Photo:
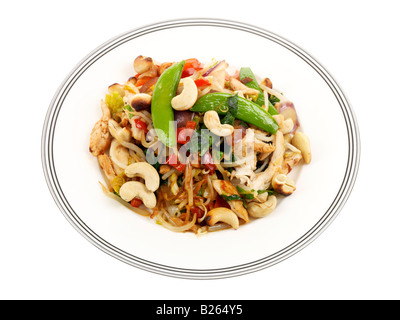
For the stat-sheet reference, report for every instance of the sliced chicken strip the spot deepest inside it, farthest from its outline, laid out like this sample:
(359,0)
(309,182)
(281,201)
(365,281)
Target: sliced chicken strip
(100,137)
(263,179)
(107,166)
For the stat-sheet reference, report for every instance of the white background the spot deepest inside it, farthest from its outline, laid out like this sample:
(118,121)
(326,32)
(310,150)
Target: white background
(44,257)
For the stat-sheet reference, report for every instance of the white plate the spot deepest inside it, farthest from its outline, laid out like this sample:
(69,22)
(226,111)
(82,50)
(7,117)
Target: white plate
(323,186)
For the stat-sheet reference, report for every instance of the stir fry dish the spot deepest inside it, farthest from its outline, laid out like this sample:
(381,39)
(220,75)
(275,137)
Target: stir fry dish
(196,146)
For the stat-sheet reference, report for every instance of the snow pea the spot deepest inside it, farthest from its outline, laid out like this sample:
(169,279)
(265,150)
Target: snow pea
(162,112)
(247,111)
(246,73)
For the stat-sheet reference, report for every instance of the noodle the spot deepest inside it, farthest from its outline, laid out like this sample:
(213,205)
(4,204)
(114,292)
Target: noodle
(189,183)
(175,228)
(186,193)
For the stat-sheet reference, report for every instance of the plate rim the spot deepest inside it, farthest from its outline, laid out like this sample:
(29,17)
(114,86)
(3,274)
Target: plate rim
(326,219)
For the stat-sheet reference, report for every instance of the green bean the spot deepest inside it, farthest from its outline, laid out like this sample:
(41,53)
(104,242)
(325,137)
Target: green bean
(247,111)
(246,73)
(161,110)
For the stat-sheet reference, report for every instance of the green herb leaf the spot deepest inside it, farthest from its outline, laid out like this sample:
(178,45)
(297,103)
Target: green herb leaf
(270,192)
(232,197)
(179,181)
(249,195)
(233,104)
(244,124)
(273,99)
(128,108)
(228,119)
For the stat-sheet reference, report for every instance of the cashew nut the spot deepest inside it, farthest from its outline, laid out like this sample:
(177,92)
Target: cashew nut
(287,126)
(134,189)
(261,197)
(260,210)
(211,121)
(188,96)
(121,134)
(283,184)
(142,64)
(222,214)
(145,171)
(140,101)
(302,142)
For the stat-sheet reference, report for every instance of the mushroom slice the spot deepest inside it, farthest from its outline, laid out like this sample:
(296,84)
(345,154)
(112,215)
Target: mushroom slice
(118,88)
(225,188)
(145,171)
(141,101)
(222,214)
(134,189)
(142,64)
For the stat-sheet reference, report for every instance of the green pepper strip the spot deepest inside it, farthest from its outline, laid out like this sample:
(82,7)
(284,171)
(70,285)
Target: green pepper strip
(247,73)
(248,111)
(161,109)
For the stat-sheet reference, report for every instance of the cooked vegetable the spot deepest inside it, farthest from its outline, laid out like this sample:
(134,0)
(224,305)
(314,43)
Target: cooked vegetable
(114,102)
(193,147)
(161,109)
(247,111)
(248,78)
(288,111)
(182,117)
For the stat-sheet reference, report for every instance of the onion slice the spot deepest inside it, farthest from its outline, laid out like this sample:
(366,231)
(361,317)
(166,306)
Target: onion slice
(222,65)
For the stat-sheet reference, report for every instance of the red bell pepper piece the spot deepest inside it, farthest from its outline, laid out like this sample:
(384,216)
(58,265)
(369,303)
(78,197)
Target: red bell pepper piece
(192,63)
(173,162)
(208,162)
(184,135)
(136,202)
(142,81)
(198,211)
(188,72)
(202,82)
(140,124)
(191,125)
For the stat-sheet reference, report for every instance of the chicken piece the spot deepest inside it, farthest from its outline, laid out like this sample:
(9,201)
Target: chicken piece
(262,147)
(290,160)
(263,179)
(100,137)
(236,85)
(226,188)
(107,166)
